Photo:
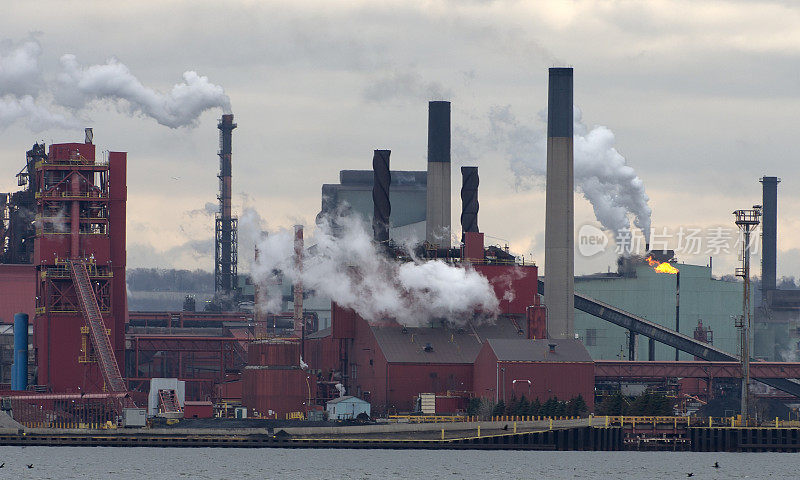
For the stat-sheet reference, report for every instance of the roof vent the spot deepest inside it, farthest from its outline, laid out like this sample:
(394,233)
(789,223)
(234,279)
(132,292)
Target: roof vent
(428,347)
(552,347)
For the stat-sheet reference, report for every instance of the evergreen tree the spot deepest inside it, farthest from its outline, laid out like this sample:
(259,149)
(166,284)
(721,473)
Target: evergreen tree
(499,408)
(535,407)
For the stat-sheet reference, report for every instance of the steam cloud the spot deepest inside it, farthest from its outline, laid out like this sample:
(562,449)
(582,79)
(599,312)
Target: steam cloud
(26,96)
(602,174)
(348,269)
(113,81)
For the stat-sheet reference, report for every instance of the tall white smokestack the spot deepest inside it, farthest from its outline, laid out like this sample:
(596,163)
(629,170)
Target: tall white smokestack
(437,225)
(559,266)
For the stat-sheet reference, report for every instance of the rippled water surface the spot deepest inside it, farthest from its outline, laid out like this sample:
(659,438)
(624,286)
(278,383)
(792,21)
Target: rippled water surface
(229,463)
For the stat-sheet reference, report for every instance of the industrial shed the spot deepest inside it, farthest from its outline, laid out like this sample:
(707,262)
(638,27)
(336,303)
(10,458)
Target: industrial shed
(346,408)
(507,368)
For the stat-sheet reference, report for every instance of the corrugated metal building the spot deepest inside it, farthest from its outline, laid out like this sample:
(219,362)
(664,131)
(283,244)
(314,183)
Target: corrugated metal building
(347,407)
(511,368)
(17,291)
(651,295)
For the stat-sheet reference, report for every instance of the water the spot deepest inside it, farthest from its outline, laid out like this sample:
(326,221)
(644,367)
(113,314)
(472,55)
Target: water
(229,463)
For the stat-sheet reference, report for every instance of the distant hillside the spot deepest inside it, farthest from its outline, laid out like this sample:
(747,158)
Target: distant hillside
(153,289)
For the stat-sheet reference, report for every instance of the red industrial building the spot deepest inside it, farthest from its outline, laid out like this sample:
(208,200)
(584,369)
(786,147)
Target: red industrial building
(389,364)
(274,383)
(18,287)
(79,255)
(543,369)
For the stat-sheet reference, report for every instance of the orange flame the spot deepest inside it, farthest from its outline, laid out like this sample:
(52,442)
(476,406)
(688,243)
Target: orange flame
(661,267)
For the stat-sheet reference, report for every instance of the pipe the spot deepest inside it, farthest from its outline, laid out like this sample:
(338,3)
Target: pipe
(19,371)
(469,200)
(559,207)
(677,308)
(437,219)
(298,283)
(382,207)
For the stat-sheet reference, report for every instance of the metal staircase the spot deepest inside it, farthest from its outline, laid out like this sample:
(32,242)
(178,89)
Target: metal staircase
(168,404)
(97,328)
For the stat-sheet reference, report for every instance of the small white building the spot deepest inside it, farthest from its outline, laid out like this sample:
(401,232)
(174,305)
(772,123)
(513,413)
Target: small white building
(347,407)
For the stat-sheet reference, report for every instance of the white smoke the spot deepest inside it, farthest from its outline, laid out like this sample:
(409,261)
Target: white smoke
(602,174)
(37,117)
(20,83)
(79,85)
(20,74)
(27,96)
(349,269)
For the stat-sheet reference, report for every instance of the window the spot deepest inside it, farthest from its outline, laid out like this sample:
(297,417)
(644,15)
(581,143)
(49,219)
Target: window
(591,337)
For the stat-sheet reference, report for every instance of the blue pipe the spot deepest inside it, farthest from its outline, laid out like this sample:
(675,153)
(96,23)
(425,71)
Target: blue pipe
(19,372)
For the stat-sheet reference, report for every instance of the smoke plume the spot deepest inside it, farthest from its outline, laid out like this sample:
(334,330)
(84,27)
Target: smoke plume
(348,269)
(602,174)
(26,94)
(79,85)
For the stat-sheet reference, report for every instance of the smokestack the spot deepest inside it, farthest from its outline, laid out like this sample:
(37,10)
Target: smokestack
(469,200)
(225,225)
(769,236)
(298,284)
(437,225)
(89,136)
(559,207)
(382,207)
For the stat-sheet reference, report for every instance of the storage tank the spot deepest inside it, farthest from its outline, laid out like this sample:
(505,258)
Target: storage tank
(274,384)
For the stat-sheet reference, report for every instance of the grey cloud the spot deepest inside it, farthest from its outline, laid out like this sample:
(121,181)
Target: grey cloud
(405,85)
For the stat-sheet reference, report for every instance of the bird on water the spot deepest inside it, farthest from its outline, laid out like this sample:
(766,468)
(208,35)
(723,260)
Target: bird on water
(716,464)
(30,465)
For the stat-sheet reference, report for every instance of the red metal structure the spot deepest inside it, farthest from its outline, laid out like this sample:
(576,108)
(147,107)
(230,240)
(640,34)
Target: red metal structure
(79,256)
(614,369)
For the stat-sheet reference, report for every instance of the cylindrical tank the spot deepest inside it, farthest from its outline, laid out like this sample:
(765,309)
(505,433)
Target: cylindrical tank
(273,382)
(19,372)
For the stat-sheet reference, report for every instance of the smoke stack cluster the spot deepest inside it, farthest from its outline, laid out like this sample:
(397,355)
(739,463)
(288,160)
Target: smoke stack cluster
(437,225)
(559,207)
(382,207)
(469,200)
(769,229)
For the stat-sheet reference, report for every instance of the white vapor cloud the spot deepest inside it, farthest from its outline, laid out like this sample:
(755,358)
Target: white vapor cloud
(79,85)
(602,174)
(348,268)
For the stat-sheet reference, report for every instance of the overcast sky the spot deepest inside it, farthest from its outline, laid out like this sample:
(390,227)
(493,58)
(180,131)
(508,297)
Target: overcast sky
(702,99)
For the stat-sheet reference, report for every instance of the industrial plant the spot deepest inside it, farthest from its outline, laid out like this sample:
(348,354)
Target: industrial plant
(273,345)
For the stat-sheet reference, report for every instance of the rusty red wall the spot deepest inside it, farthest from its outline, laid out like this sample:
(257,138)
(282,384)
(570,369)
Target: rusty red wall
(17,291)
(408,380)
(343,321)
(281,390)
(537,322)
(198,409)
(322,354)
(274,352)
(118,196)
(522,281)
(564,380)
(473,246)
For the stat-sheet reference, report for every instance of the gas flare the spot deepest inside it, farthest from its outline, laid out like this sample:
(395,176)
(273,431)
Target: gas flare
(661,267)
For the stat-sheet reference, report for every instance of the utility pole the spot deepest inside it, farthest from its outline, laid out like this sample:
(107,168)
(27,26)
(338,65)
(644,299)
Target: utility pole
(747,221)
